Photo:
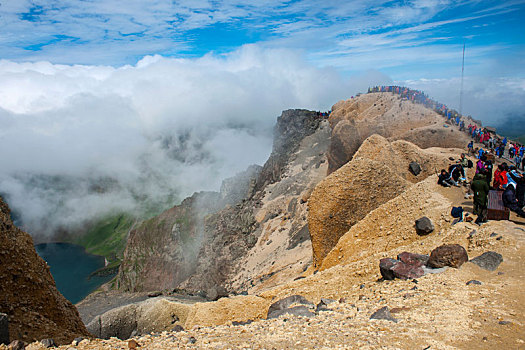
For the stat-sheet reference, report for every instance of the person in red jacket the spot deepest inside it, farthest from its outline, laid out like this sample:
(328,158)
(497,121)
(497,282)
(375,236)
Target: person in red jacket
(500,178)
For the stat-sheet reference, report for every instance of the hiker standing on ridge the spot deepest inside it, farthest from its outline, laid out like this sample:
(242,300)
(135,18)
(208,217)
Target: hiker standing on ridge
(480,188)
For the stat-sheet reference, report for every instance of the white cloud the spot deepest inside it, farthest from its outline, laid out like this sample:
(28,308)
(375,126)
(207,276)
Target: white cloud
(144,133)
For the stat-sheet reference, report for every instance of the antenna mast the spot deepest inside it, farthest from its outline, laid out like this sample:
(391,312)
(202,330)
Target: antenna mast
(461,91)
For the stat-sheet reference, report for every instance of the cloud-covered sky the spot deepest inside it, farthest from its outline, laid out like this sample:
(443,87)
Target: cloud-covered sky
(152,100)
(405,39)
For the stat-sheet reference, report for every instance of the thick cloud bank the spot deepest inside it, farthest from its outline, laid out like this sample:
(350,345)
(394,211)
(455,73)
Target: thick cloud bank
(79,142)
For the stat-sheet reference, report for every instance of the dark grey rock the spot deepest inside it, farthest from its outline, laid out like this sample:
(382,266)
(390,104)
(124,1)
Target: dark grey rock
(300,310)
(4,329)
(473,282)
(385,268)
(287,302)
(177,328)
(488,260)
(383,314)
(16,345)
(424,226)
(493,234)
(241,323)
(322,306)
(192,340)
(327,301)
(216,292)
(48,343)
(452,255)
(154,294)
(503,323)
(414,168)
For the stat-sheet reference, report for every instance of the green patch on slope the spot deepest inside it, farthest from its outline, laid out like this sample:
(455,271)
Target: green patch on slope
(108,236)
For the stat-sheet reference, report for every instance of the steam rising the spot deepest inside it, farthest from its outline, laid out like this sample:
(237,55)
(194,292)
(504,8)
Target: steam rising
(80,142)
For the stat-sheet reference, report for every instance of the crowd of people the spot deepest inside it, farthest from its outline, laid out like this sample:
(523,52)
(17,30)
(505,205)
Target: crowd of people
(492,172)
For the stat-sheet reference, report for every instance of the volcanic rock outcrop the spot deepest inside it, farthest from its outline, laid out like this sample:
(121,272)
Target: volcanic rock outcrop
(378,172)
(388,115)
(28,295)
(199,244)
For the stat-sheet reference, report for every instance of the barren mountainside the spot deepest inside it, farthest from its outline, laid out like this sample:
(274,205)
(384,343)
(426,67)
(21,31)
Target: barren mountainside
(28,295)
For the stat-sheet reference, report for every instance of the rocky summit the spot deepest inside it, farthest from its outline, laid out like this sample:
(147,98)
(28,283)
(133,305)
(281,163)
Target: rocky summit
(342,239)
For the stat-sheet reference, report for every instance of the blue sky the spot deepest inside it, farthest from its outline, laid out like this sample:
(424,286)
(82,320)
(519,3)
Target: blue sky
(404,39)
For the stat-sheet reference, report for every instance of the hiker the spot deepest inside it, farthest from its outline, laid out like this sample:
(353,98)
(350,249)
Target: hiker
(500,178)
(510,201)
(480,188)
(488,169)
(470,147)
(464,162)
(481,164)
(445,179)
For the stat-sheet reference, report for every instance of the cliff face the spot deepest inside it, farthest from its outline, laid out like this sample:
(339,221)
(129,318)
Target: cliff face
(385,114)
(28,295)
(199,244)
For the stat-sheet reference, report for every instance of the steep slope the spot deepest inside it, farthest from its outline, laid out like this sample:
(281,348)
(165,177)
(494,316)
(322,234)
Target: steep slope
(378,172)
(199,245)
(36,310)
(438,310)
(388,115)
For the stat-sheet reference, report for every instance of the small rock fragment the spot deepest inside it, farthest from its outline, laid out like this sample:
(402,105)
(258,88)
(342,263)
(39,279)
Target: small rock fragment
(154,294)
(473,282)
(383,314)
(287,302)
(132,344)
(48,343)
(503,323)
(177,328)
(192,340)
(16,345)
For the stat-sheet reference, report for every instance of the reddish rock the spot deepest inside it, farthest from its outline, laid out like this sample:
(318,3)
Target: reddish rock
(452,255)
(413,259)
(408,271)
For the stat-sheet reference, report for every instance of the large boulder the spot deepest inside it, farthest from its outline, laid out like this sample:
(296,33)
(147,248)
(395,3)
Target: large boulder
(35,308)
(452,255)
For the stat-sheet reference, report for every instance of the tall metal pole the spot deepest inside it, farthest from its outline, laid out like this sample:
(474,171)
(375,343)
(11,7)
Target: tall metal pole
(461,91)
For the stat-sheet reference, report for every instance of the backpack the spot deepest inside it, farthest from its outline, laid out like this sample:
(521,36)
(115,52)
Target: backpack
(470,164)
(456,212)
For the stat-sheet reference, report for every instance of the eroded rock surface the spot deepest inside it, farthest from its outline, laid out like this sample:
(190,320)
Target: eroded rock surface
(28,295)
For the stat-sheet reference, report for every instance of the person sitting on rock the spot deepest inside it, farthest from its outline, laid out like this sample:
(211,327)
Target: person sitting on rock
(457,172)
(510,201)
(480,188)
(445,179)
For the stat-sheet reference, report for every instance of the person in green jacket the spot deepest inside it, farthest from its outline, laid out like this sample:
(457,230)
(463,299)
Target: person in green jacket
(480,188)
